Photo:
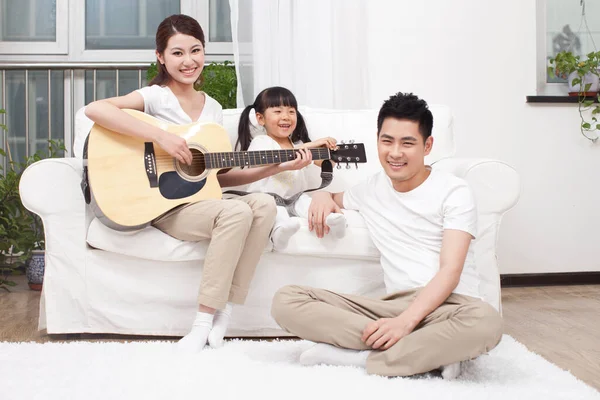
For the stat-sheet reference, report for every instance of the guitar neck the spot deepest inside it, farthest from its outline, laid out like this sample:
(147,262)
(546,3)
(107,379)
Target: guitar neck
(260,157)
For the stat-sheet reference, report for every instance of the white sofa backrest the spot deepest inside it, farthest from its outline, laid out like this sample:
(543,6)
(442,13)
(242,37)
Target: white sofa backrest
(357,125)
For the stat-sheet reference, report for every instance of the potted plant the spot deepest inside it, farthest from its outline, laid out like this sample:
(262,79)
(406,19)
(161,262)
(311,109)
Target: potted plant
(21,232)
(583,78)
(218,80)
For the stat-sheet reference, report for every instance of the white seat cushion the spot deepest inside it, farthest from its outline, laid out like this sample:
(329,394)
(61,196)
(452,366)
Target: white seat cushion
(152,244)
(148,243)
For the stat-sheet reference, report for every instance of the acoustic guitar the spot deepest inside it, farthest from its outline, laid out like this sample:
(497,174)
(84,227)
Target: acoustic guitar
(133,181)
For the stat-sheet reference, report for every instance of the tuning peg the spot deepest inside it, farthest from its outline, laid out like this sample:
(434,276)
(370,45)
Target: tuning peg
(339,166)
(348,166)
(343,142)
(351,141)
(356,165)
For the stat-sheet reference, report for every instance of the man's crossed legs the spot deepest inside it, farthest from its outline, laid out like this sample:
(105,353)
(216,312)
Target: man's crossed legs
(461,329)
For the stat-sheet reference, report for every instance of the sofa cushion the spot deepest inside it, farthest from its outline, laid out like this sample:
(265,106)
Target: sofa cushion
(148,243)
(152,244)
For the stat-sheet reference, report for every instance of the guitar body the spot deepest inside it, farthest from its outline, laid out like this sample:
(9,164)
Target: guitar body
(133,181)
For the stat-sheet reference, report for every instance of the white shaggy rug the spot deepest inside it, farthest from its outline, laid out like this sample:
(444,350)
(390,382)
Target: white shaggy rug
(259,370)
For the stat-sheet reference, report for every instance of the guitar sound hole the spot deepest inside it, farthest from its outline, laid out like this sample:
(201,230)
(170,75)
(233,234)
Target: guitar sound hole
(198,164)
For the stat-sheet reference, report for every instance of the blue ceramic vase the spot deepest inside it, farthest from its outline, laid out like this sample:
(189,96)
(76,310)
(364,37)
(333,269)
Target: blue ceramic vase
(35,269)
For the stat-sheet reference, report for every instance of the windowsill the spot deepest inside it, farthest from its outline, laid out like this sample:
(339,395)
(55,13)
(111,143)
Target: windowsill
(557,99)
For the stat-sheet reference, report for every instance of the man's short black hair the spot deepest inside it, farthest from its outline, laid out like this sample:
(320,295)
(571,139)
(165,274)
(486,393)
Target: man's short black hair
(410,107)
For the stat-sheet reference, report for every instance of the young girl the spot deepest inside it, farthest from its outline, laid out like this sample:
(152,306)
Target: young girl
(277,112)
(238,229)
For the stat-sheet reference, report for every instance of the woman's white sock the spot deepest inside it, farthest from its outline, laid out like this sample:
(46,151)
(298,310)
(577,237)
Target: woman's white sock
(196,339)
(219,327)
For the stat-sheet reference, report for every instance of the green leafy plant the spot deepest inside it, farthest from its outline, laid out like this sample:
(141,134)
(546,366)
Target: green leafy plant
(566,65)
(21,231)
(218,80)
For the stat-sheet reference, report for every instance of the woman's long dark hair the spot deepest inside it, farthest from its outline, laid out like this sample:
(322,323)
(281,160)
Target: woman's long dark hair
(275,96)
(170,26)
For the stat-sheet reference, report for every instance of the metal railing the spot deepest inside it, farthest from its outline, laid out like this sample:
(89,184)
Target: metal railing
(74,91)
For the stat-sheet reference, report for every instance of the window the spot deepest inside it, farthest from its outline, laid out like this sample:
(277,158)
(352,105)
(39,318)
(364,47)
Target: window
(564,26)
(125,24)
(33,26)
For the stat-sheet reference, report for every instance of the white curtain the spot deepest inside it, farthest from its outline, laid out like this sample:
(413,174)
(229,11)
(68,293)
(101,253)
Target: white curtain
(315,48)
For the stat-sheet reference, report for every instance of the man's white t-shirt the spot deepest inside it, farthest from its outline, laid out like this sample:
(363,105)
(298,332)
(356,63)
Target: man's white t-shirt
(160,102)
(286,183)
(407,228)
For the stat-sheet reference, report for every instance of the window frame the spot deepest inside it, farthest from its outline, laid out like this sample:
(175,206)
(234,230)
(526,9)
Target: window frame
(544,88)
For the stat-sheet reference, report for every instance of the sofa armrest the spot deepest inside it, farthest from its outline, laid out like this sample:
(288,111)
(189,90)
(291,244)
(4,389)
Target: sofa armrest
(52,186)
(51,189)
(496,185)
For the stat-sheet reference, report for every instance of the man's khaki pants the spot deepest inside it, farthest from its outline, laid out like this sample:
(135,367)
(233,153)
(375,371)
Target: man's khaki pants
(238,230)
(462,328)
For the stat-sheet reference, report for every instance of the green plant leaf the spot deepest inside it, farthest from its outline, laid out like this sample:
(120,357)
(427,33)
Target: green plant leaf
(588,103)
(587,87)
(586,125)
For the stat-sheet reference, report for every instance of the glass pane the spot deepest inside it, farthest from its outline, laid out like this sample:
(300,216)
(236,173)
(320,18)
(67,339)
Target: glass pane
(128,81)
(2,121)
(125,24)
(105,83)
(57,106)
(38,111)
(220,21)
(89,87)
(566,29)
(15,114)
(28,20)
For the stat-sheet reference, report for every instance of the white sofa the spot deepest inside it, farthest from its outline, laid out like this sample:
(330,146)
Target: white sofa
(145,282)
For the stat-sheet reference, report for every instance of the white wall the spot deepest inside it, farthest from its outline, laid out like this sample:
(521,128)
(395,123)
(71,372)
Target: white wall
(479,58)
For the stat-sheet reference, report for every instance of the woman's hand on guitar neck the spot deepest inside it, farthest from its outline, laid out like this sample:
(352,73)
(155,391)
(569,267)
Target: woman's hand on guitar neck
(176,146)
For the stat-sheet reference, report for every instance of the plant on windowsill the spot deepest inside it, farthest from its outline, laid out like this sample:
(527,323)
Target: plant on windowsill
(218,80)
(21,232)
(583,77)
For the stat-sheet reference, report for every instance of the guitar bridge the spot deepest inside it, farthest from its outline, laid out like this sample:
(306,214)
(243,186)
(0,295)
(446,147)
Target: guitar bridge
(150,164)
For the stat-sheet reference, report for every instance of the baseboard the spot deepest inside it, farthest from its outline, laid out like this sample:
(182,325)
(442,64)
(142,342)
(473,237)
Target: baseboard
(551,279)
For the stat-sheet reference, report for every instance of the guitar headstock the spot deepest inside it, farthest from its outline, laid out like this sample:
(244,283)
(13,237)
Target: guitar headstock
(349,153)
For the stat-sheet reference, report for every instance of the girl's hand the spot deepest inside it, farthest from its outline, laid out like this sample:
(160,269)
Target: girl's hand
(328,142)
(303,159)
(176,146)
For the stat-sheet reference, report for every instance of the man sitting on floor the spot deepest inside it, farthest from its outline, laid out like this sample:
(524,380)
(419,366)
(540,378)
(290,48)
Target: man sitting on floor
(422,221)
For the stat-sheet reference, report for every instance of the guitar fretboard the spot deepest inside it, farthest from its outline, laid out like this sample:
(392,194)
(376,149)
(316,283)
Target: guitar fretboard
(260,157)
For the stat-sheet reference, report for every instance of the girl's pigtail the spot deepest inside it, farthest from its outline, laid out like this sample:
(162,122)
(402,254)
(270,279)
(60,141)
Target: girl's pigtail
(301,132)
(244,135)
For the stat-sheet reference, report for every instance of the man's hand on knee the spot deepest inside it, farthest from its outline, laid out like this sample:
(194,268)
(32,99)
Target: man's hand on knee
(386,332)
